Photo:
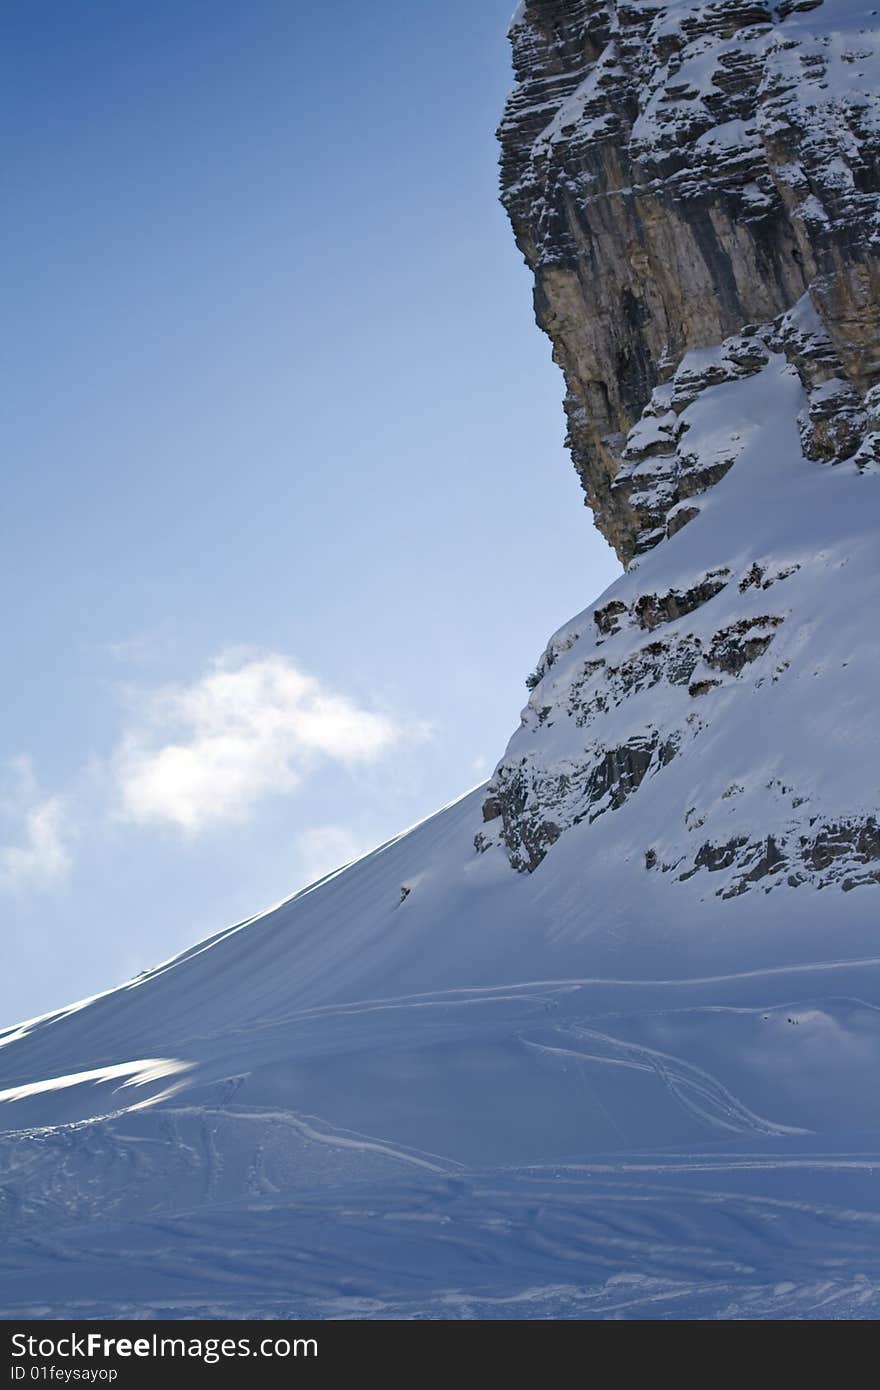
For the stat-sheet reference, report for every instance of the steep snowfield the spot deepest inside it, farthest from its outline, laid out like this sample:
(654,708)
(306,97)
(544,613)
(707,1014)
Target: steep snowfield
(500,1098)
(430,1085)
(712,716)
(602,1038)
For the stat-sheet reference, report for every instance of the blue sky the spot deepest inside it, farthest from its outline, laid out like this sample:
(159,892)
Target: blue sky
(288,517)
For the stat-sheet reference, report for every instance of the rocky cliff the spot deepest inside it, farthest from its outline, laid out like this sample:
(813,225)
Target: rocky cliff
(675,172)
(696,187)
(637,1078)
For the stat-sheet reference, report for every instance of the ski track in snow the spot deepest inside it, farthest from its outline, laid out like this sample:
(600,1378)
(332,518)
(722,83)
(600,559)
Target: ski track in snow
(353,1133)
(596,1241)
(692,1087)
(398,1230)
(630,1084)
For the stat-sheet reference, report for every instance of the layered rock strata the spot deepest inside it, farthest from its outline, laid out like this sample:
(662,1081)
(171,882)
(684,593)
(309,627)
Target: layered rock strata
(676,171)
(696,188)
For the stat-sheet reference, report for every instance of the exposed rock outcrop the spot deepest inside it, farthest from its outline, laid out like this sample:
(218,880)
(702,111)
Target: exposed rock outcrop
(679,169)
(696,187)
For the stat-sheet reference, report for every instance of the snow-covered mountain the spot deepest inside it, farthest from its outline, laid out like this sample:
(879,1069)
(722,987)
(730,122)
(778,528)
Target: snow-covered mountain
(695,186)
(601,1039)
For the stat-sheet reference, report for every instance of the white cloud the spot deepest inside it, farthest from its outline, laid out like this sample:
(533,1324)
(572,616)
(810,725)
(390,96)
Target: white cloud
(206,752)
(324,848)
(41,858)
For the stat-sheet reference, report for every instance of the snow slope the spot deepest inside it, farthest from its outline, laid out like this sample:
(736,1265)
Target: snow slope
(430,1085)
(602,1038)
(711,717)
(493,1099)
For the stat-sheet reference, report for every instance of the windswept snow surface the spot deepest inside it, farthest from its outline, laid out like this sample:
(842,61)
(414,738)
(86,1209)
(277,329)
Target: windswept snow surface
(492,1099)
(591,1091)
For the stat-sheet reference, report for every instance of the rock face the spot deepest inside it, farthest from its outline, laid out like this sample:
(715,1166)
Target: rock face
(696,187)
(676,171)
(364,1103)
